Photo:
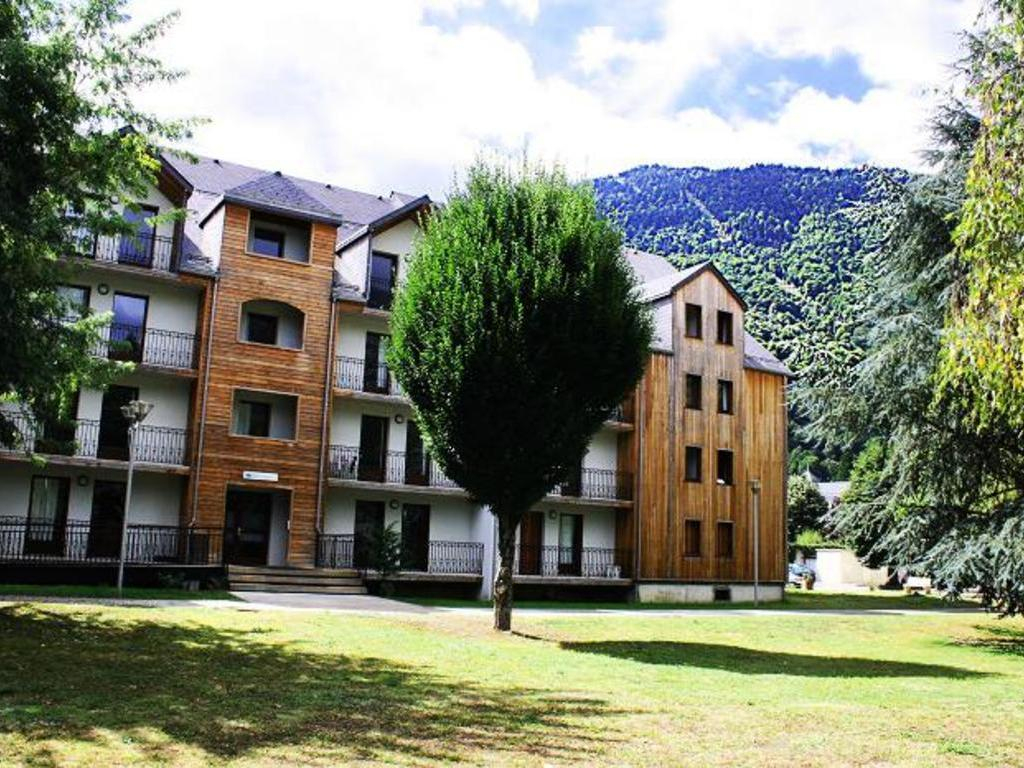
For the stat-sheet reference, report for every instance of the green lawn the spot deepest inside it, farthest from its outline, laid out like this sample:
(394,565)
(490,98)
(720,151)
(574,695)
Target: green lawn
(99,685)
(795,600)
(130,593)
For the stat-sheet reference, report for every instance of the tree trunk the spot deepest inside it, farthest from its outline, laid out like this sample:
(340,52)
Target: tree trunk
(507,525)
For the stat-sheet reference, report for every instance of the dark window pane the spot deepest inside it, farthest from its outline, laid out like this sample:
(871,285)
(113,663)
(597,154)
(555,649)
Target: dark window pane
(724,545)
(725,467)
(693,391)
(127,331)
(262,329)
(77,298)
(724,327)
(694,324)
(259,418)
(724,396)
(691,537)
(693,463)
(383,271)
(268,242)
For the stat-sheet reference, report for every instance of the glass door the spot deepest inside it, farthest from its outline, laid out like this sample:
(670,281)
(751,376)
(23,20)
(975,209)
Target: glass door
(570,544)
(415,537)
(107,517)
(47,516)
(128,328)
(372,448)
(136,249)
(112,442)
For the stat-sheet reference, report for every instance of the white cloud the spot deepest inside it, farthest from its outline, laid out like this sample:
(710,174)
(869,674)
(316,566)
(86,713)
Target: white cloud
(369,95)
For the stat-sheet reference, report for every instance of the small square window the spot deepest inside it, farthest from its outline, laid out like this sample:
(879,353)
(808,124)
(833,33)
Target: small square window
(693,392)
(268,242)
(693,463)
(694,322)
(260,328)
(691,538)
(724,539)
(724,474)
(725,403)
(724,327)
(256,418)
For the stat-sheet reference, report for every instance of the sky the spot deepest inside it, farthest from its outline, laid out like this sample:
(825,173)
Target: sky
(403,94)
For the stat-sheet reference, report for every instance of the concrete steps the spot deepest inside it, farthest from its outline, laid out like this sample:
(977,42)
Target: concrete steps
(306,580)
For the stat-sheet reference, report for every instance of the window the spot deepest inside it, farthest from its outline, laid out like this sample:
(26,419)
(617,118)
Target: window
(268,242)
(375,367)
(271,322)
(724,468)
(261,329)
(694,323)
(264,414)
(255,418)
(128,328)
(724,327)
(723,539)
(76,298)
(693,392)
(47,516)
(693,463)
(383,272)
(691,538)
(724,396)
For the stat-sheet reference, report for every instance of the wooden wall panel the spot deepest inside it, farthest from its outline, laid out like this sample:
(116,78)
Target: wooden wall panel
(235,364)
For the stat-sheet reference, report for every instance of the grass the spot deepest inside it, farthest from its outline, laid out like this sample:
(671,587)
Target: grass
(795,600)
(102,591)
(105,685)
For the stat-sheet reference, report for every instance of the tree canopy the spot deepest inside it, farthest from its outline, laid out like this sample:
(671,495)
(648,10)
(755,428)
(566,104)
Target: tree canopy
(518,329)
(68,73)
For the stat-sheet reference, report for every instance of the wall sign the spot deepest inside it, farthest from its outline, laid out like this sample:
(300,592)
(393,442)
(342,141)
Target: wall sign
(269,477)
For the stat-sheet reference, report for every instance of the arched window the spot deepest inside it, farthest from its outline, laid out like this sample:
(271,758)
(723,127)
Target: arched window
(273,323)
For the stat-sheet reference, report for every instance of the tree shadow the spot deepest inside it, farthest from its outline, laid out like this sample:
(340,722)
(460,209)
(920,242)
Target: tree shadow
(230,692)
(998,639)
(750,661)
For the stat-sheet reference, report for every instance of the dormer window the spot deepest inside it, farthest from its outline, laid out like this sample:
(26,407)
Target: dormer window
(278,238)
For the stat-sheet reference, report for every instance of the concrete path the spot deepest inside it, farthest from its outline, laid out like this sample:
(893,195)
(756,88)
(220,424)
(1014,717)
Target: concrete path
(246,601)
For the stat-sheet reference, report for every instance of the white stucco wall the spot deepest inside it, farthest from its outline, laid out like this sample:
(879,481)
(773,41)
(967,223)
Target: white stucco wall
(351,263)
(171,307)
(598,523)
(212,235)
(156,497)
(838,568)
(169,395)
(603,452)
(451,518)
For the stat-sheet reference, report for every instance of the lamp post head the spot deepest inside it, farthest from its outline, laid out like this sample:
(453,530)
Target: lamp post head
(136,411)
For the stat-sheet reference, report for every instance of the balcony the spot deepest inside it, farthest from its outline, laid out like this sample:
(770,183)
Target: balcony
(359,375)
(92,439)
(348,462)
(143,250)
(87,542)
(550,561)
(451,558)
(597,484)
(148,346)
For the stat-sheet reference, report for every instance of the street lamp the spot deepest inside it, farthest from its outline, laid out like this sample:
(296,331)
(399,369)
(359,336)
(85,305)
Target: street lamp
(755,490)
(135,412)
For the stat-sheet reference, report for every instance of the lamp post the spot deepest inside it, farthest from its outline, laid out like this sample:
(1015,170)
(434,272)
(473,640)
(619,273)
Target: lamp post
(135,412)
(755,491)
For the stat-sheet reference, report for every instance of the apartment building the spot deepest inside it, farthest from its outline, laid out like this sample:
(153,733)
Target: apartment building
(280,441)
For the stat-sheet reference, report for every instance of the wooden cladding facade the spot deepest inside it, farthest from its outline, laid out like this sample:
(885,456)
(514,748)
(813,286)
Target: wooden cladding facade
(241,365)
(678,525)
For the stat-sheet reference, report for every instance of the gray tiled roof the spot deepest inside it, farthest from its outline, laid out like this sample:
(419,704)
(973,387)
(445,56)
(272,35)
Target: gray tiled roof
(278,192)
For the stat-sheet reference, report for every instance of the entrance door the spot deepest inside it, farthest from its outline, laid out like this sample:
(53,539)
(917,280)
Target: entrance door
(105,522)
(128,328)
(417,464)
(369,528)
(570,544)
(247,526)
(375,368)
(47,516)
(531,537)
(137,249)
(415,537)
(373,445)
(112,442)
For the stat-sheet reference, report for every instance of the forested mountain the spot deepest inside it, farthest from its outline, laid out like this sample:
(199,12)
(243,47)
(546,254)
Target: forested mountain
(789,239)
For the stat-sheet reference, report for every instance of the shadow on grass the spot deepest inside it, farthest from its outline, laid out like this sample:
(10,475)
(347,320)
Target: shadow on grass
(229,692)
(754,662)
(998,639)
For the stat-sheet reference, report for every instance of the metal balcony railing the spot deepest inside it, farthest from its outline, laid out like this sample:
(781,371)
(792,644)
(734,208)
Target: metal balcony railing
(597,484)
(364,376)
(149,346)
(346,550)
(88,438)
(346,462)
(144,249)
(80,541)
(589,562)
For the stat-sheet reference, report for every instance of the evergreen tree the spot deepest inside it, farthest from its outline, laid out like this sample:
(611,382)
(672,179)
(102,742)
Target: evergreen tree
(516,333)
